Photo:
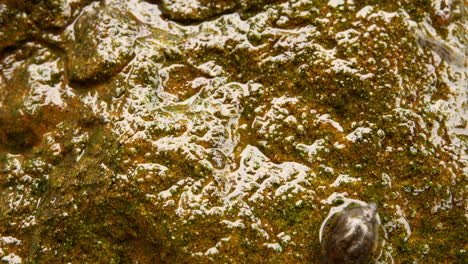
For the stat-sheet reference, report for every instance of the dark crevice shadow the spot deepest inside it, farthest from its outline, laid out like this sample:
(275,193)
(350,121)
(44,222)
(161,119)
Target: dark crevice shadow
(18,141)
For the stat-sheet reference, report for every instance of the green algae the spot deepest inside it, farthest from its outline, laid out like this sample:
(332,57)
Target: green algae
(141,165)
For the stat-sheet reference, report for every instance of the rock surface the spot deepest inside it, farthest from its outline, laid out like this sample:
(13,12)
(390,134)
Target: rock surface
(32,96)
(199,10)
(13,25)
(103,44)
(137,132)
(53,14)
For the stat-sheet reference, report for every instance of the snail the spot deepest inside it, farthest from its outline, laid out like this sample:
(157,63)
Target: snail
(351,236)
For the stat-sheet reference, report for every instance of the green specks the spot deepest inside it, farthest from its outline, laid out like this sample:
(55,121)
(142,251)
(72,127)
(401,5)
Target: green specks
(104,44)
(226,136)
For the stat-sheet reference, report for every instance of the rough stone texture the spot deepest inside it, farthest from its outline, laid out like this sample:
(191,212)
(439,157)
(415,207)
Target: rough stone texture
(13,26)
(199,10)
(32,95)
(228,140)
(196,10)
(54,14)
(103,45)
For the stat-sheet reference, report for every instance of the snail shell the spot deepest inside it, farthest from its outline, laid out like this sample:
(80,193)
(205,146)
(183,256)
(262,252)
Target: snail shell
(350,237)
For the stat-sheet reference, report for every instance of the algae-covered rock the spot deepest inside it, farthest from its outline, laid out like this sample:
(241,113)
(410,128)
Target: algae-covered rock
(53,13)
(32,95)
(197,10)
(104,40)
(13,25)
(224,131)
(23,19)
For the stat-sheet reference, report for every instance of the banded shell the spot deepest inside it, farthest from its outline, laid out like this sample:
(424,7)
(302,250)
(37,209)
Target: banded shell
(350,236)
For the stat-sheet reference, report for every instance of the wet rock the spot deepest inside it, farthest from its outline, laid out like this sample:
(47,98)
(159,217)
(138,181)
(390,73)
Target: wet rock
(219,142)
(18,4)
(103,45)
(445,52)
(48,14)
(32,96)
(53,13)
(198,10)
(13,26)
(351,236)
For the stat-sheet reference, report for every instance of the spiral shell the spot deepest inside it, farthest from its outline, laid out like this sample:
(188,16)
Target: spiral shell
(350,236)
